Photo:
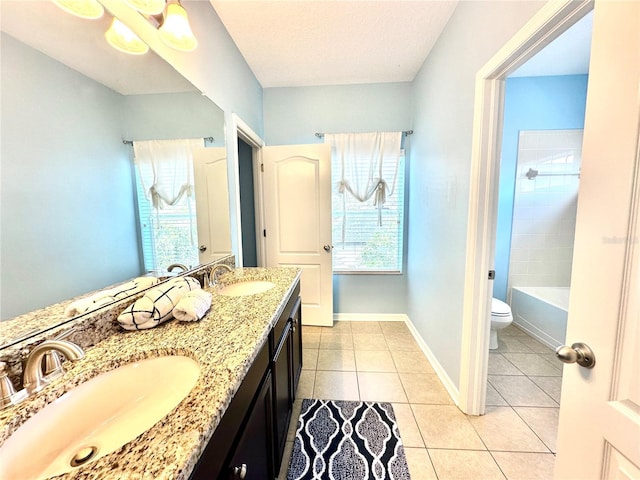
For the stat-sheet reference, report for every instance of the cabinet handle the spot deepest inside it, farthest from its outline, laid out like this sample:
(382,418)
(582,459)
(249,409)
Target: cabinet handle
(240,472)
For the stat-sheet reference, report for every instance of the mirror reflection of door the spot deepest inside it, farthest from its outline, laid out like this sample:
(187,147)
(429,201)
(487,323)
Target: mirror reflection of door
(212,203)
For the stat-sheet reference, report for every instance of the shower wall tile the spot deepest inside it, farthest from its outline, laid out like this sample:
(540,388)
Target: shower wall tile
(544,213)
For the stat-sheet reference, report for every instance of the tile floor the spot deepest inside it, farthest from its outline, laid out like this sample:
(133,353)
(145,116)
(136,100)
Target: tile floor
(380,361)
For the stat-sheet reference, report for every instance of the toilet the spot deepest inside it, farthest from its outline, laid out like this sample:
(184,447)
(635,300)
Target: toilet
(500,318)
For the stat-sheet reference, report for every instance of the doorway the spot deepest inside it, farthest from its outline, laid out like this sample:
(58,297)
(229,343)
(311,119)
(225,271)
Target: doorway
(247,204)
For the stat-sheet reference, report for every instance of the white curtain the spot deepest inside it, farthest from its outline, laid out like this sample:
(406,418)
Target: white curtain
(369,166)
(166,169)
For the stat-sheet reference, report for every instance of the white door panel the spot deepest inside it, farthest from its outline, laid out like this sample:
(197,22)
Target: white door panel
(297,211)
(212,202)
(599,431)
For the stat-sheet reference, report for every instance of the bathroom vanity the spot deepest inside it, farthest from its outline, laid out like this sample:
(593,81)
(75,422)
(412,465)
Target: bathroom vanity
(233,423)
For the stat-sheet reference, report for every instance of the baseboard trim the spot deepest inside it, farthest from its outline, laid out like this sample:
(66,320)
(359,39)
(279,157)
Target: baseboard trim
(453,391)
(369,317)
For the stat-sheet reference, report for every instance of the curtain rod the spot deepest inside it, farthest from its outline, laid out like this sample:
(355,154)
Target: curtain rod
(206,139)
(405,133)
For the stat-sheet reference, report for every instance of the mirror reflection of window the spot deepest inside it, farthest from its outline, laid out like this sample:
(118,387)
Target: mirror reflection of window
(166,202)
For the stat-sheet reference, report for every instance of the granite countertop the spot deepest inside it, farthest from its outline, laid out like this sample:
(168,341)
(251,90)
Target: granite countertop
(225,343)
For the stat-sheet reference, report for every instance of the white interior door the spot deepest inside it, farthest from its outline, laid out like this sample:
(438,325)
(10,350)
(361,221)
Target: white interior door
(212,202)
(599,431)
(297,212)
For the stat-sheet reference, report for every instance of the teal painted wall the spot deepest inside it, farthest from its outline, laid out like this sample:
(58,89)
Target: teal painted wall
(531,103)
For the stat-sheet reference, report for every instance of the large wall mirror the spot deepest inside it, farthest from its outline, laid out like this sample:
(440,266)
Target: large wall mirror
(69,219)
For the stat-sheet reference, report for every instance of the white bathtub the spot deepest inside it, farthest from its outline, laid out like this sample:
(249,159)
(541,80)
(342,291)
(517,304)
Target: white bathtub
(542,312)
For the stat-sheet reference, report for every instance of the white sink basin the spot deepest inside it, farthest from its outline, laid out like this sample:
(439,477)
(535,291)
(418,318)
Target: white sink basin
(97,417)
(246,288)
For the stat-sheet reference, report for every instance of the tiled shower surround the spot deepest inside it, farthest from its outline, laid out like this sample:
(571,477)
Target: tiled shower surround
(544,213)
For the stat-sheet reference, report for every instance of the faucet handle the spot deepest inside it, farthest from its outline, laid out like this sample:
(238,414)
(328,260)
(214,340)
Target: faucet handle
(8,394)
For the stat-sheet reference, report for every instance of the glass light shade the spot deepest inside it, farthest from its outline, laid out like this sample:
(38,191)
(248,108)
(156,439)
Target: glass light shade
(176,31)
(148,7)
(122,38)
(90,9)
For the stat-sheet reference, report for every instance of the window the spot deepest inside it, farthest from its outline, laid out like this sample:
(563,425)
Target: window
(368,238)
(168,228)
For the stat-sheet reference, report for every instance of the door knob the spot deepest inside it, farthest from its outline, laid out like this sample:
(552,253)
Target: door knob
(579,353)
(202,248)
(327,248)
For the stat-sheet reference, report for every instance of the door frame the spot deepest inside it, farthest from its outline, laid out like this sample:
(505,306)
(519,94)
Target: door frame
(238,129)
(553,19)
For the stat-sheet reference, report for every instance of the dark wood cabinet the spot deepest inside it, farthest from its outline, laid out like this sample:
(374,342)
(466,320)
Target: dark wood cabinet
(250,439)
(253,457)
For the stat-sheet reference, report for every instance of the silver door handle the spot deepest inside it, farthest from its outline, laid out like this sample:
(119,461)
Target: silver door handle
(328,248)
(579,353)
(202,248)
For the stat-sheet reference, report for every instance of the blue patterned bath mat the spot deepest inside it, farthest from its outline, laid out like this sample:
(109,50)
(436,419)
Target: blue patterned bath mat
(340,440)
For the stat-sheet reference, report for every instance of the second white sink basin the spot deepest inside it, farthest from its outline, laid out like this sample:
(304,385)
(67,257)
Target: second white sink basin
(246,288)
(97,417)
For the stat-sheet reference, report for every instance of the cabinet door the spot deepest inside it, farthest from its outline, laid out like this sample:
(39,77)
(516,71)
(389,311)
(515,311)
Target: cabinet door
(296,338)
(283,399)
(253,456)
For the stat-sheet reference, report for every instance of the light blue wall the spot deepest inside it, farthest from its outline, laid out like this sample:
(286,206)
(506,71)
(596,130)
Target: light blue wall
(531,103)
(67,218)
(293,115)
(440,162)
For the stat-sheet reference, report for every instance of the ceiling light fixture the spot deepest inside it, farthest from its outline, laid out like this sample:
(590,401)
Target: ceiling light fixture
(148,7)
(122,38)
(175,31)
(90,9)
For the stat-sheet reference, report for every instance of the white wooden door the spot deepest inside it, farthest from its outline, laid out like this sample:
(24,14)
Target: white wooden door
(599,431)
(212,202)
(297,212)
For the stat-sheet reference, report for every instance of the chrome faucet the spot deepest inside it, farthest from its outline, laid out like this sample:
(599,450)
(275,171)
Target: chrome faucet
(213,279)
(173,266)
(34,380)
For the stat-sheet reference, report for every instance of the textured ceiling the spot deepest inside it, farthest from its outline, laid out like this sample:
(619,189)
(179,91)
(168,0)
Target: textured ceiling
(309,42)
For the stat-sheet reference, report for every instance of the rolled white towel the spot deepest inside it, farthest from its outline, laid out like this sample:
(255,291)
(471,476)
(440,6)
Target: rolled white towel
(193,306)
(156,306)
(110,295)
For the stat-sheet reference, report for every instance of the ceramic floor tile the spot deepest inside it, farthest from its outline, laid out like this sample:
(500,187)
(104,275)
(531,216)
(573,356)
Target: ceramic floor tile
(465,465)
(533,364)
(336,386)
(420,467)
(293,423)
(381,387)
(309,358)
(336,341)
(543,421)
(306,383)
(520,391)
(551,385)
(369,341)
(499,365)
(310,340)
(411,362)
(500,428)
(374,361)
(400,342)
(338,327)
(286,458)
(409,431)
(525,466)
(494,398)
(358,328)
(513,331)
(444,426)
(336,360)
(425,388)
(394,327)
(511,344)
(535,345)
(311,329)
